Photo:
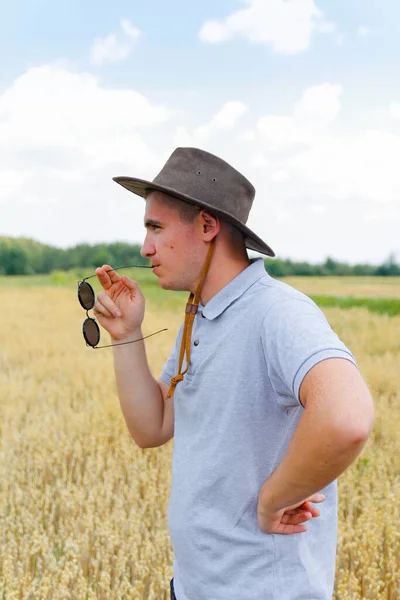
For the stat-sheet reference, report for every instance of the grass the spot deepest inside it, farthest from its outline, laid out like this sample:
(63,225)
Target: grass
(357,287)
(165,300)
(383,298)
(382,306)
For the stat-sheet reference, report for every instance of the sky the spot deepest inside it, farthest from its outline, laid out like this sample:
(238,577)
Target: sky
(301,96)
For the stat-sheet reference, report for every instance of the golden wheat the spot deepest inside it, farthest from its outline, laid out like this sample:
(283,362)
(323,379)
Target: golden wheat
(364,287)
(83,510)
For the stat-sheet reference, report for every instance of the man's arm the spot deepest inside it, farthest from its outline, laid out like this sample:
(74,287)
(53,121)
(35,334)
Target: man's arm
(120,310)
(149,415)
(337,420)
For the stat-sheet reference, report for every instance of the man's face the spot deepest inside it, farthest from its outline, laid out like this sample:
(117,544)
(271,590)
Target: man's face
(174,248)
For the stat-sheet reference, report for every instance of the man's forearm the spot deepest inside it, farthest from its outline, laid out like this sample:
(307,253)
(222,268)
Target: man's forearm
(140,396)
(317,454)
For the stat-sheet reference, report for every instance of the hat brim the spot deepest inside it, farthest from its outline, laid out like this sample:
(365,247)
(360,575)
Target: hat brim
(141,187)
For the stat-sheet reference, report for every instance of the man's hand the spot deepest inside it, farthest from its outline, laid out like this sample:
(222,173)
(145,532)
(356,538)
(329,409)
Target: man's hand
(290,519)
(120,306)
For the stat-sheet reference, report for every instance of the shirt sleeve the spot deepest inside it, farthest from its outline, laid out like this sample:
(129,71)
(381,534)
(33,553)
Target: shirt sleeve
(296,336)
(171,366)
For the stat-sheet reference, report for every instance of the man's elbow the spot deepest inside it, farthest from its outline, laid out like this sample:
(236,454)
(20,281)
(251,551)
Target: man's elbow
(357,426)
(152,441)
(144,443)
(149,444)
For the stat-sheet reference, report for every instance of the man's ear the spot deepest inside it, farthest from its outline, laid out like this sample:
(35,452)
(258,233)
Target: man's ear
(210,225)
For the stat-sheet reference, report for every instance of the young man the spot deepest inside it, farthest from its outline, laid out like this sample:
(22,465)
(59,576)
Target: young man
(264,402)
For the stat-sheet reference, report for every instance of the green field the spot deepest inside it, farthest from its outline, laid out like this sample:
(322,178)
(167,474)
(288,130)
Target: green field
(377,294)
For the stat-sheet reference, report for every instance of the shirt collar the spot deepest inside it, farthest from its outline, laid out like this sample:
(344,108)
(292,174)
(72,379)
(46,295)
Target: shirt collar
(234,289)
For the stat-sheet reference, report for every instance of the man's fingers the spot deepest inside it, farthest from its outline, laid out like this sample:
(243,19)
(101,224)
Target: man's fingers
(318,497)
(103,277)
(129,283)
(106,306)
(113,275)
(301,517)
(310,508)
(289,529)
(307,506)
(107,276)
(99,309)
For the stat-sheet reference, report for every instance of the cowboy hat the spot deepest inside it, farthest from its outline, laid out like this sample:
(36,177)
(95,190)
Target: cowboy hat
(205,180)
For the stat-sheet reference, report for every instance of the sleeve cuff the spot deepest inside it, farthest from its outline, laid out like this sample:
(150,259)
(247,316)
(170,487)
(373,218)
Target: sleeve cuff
(315,359)
(165,378)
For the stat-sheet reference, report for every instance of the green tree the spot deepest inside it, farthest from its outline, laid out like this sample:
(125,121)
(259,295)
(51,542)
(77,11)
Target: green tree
(389,267)
(15,261)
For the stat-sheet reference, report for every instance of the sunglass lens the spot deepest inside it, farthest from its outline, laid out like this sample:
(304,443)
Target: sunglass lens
(86,295)
(91,332)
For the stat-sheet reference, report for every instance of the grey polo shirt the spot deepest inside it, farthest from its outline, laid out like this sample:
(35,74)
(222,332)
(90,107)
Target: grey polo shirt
(235,412)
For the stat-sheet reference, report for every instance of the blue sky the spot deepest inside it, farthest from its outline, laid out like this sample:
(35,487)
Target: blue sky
(302,96)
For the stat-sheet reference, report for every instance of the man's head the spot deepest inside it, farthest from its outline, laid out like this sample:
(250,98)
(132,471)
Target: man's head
(178,238)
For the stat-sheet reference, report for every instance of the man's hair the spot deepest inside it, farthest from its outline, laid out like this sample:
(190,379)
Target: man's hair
(188,213)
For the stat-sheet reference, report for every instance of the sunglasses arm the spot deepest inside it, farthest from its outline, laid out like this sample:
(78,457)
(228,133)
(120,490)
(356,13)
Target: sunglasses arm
(123,343)
(117,269)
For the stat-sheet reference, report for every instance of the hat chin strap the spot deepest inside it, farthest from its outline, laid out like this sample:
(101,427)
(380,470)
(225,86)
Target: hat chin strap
(190,313)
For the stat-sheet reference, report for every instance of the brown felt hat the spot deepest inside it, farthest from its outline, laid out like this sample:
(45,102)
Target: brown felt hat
(203,179)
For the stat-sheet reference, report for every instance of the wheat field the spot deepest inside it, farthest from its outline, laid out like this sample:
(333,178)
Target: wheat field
(83,510)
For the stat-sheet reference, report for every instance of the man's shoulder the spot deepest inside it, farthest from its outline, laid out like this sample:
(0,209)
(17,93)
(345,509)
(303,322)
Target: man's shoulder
(277,295)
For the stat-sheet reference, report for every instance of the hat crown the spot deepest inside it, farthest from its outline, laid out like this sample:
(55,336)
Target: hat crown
(207,178)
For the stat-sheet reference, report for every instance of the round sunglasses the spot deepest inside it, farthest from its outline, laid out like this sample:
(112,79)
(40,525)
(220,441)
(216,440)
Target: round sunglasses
(87,299)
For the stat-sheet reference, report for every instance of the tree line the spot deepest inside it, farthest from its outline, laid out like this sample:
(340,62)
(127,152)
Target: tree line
(23,256)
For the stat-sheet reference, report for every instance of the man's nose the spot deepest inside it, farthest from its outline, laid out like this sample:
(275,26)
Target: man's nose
(148,248)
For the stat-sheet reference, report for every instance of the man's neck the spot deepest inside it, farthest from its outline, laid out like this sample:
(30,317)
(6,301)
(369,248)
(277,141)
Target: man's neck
(220,274)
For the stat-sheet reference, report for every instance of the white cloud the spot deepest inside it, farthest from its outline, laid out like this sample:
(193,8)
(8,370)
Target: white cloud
(319,102)
(183,138)
(386,213)
(226,118)
(286,25)
(248,136)
(114,48)
(12,182)
(282,215)
(282,133)
(280,176)
(318,209)
(58,121)
(130,30)
(259,160)
(326,161)
(363,31)
(395,110)
(223,121)
(63,136)
(318,106)
(352,167)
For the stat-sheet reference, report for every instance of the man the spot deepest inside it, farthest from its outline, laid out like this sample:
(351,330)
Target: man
(264,402)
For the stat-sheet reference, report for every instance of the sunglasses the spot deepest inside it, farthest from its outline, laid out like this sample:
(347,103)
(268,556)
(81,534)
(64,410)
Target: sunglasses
(87,298)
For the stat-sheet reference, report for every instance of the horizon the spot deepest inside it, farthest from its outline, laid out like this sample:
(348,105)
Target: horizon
(251,253)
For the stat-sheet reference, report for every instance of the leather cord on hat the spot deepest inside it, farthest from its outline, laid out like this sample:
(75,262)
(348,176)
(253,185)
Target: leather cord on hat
(190,313)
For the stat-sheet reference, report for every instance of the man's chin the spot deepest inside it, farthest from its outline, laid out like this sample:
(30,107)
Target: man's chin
(166,285)
(170,285)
